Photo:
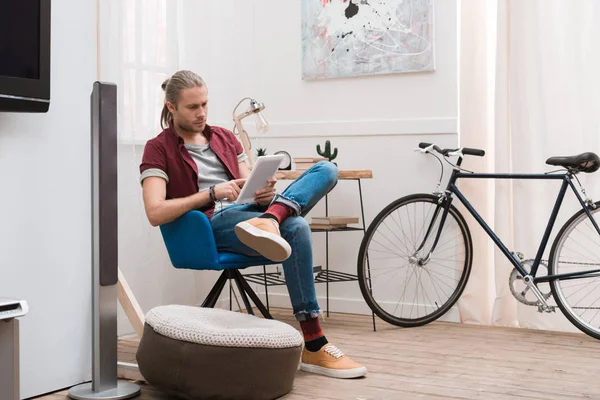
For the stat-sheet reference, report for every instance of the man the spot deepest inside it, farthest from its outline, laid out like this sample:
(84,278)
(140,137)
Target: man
(191,165)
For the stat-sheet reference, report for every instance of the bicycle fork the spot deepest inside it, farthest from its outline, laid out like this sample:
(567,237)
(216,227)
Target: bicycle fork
(442,207)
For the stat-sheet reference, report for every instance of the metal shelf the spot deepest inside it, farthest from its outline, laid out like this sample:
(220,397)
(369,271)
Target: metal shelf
(277,278)
(334,276)
(265,279)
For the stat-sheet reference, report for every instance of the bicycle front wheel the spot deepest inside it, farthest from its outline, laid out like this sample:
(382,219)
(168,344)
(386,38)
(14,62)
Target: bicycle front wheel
(403,280)
(576,249)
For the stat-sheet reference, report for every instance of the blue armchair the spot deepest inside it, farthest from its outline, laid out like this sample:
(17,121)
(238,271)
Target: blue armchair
(191,245)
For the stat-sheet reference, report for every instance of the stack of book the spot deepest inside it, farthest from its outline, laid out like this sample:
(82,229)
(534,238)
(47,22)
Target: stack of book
(332,222)
(304,163)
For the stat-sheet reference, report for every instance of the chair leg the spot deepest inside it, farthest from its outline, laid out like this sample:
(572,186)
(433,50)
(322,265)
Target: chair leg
(266,286)
(216,290)
(247,289)
(243,294)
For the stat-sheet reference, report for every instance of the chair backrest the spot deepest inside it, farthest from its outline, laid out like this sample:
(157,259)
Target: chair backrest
(190,242)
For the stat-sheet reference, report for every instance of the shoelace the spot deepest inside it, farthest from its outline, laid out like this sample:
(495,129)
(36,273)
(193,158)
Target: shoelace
(275,224)
(333,351)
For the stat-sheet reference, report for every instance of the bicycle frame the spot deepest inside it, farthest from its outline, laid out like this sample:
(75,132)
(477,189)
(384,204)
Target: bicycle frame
(566,182)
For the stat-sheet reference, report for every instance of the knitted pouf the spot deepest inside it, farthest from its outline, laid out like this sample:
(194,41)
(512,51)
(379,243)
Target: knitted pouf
(210,353)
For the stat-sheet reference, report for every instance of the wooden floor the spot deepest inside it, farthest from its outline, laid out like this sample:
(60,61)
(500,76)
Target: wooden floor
(442,361)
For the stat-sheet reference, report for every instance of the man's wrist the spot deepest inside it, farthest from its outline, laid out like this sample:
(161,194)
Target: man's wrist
(211,193)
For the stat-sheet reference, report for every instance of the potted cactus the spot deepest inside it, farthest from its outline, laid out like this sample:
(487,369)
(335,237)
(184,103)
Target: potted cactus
(327,151)
(261,152)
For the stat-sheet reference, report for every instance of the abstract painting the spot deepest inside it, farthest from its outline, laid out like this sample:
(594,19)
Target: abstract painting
(342,38)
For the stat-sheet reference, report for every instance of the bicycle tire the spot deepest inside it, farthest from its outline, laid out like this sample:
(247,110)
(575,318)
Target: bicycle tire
(364,268)
(558,292)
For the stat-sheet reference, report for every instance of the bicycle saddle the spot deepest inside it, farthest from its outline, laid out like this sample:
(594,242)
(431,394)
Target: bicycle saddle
(584,162)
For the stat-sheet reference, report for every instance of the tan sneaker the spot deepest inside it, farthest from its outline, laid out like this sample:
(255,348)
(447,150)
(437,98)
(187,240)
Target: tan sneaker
(262,235)
(330,361)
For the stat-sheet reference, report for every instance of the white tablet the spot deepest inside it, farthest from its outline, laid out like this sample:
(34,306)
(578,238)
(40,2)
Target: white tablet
(264,168)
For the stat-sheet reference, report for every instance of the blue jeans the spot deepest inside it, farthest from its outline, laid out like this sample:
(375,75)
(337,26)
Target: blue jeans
(301,196)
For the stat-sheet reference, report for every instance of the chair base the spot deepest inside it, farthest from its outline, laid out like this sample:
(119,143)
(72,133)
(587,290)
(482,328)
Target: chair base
(244,288)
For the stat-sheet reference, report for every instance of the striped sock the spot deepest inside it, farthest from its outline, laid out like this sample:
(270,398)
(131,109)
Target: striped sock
(314,338)
(278,212)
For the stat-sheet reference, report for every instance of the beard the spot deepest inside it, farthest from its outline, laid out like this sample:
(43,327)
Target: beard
(191,128)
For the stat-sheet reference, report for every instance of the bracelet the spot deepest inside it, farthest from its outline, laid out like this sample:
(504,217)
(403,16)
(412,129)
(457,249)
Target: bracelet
(211,191)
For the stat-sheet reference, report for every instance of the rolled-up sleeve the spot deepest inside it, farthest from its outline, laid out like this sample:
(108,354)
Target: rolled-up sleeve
(154,162)
(239,149)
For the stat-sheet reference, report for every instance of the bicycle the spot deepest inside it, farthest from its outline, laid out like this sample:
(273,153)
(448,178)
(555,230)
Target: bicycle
(423,242)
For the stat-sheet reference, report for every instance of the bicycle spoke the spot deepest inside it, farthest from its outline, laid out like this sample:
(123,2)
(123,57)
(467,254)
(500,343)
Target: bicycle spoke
(407,249)
(582,298)
(578,252)
(434,287)
(391,251)
(403,292)
(394,269)
(434,279)
(403,248)
(444,276)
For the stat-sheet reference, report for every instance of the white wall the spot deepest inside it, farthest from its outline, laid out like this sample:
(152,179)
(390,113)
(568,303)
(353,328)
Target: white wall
(253,48)
(45,226)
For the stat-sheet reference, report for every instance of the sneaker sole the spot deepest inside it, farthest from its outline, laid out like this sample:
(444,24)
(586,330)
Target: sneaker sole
(271,246)
(334,373)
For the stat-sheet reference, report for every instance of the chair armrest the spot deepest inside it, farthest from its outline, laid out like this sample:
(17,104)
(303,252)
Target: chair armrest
(190,242)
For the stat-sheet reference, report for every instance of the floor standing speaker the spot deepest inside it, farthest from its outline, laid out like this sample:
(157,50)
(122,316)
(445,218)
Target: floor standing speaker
(104,260)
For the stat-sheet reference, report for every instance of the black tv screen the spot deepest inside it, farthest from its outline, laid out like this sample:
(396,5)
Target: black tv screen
(24,55)
(20,20)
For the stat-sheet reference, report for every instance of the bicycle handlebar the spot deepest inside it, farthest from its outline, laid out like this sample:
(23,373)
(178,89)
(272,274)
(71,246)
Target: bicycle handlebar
(445,152)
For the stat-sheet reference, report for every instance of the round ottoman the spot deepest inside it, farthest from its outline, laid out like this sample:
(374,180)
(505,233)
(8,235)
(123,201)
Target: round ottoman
(210,353)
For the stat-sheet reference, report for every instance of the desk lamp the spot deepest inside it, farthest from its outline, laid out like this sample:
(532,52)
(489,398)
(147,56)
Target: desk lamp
(261,124)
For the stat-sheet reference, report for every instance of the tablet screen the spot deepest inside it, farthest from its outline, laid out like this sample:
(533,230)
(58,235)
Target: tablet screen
(265,167)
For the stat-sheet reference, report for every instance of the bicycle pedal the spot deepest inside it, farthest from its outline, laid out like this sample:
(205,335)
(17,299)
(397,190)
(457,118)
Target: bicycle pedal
(549,309)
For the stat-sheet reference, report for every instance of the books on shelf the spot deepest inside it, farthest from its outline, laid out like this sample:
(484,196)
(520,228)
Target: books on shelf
(327,226)
(334,220)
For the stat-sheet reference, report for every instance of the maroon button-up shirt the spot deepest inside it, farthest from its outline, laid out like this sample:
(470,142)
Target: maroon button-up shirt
(168,153)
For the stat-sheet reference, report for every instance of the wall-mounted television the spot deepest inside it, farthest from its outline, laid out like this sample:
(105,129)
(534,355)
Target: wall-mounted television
(24,55)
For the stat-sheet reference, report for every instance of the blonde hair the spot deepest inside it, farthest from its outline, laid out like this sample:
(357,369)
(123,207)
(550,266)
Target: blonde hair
(172,87)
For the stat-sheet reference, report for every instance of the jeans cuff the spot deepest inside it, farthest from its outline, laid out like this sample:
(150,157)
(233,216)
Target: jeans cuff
(288,202)
(305,315)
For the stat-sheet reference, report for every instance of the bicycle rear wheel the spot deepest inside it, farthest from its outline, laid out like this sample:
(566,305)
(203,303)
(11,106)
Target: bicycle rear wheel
(402,281)
(577,249)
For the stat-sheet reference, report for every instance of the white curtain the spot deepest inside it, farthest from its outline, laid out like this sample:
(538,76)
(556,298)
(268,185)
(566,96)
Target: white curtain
(529,90)
(140,47)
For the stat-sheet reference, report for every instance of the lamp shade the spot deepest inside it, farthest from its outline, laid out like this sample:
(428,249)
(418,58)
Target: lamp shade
(261,123)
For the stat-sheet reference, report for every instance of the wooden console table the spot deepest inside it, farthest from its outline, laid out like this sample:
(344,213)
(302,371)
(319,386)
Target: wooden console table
(342,174)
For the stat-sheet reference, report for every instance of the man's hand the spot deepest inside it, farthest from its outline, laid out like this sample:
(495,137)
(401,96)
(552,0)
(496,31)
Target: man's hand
(229,190)
(264,196)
